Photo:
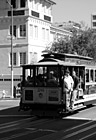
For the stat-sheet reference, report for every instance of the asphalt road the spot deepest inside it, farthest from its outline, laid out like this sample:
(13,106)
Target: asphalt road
(86,113)
(16,125)
(9,111)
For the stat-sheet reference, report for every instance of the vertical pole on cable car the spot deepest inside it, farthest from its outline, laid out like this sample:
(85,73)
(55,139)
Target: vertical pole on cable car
(62,85)
(65,97)
(64,93)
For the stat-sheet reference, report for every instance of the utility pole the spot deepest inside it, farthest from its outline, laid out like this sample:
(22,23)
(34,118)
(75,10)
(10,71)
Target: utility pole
(11,6)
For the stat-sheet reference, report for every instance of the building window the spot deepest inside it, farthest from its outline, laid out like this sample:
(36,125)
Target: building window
(33,4)
(43,6)
(47,18)
(14,59)
(33,57)
(94,24)
(22,30)
(22,3)
(17,13)
(31,30)
(36,32)
(94,17)
(43,33)
(50,10)
(22,58)
(47,34)
(35,14)
(36,4)
(13,2)
(14,30)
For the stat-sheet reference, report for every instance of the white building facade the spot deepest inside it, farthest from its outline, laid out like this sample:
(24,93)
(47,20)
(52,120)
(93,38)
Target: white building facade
(32,31)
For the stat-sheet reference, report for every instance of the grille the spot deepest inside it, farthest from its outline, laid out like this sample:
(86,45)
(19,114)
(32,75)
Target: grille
(29,95)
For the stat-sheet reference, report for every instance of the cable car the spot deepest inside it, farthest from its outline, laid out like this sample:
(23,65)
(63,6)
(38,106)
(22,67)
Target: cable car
(42,83)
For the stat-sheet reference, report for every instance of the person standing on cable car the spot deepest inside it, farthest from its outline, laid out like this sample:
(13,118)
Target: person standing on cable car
(75,88)
(68,88)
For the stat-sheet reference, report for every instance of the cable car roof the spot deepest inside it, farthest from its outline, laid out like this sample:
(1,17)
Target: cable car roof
(65,55)
(51,62)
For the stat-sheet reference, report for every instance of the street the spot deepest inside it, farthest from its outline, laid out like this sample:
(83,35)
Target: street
(16,125)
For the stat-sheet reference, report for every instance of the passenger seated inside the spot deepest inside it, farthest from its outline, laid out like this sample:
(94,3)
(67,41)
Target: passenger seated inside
(52,79)
(39,80)
(29,81)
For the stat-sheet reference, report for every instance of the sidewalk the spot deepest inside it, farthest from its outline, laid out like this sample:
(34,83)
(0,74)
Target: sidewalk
(8,98)
(5,96)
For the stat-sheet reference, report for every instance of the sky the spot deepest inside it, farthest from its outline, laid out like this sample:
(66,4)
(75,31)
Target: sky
(74,10)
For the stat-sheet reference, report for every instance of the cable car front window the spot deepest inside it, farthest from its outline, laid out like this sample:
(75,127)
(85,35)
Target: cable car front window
(40,76)
(53,77)
(91,75)
(29,79)
(47,76)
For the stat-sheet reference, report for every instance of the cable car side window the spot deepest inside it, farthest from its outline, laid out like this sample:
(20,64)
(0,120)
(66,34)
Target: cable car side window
(95,75)
(91,75)
(87,75)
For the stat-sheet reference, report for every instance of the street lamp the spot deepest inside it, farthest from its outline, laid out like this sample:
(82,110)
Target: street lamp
(11,6)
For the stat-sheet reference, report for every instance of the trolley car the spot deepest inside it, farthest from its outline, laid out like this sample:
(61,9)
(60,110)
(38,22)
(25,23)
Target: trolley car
(45,96)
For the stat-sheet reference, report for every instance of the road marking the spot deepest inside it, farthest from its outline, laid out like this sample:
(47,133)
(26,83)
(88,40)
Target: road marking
(8,126)
(78,132)
(18,135)
(92,134)
(46,130)
(14,122)
(15,116)
(8,130)
(78,126)
(77,118)
(31,128)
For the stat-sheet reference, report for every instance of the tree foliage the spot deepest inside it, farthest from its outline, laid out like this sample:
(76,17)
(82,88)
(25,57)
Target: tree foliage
(82,43)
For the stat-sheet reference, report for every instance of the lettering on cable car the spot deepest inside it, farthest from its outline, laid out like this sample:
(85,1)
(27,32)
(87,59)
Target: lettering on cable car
(53,95)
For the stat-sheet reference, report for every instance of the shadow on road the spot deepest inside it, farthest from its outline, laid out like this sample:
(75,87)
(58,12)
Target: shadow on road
(14,111)
(12,114)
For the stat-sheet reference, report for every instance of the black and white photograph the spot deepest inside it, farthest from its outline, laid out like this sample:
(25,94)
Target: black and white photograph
(47,69)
